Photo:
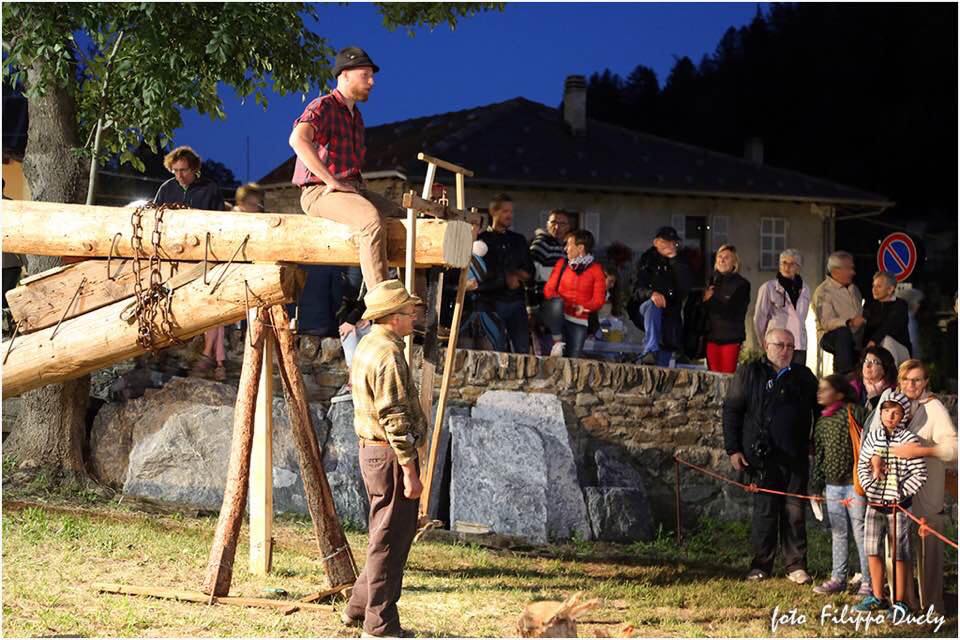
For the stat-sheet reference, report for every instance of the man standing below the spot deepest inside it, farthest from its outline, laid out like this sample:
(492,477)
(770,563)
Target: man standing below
(509,257)
(837,305)
(390,424)
(328,139)
(767,416)
(190,188)
(661,285)
(545,250)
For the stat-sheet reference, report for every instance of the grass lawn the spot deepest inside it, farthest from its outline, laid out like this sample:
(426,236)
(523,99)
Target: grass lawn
(55,548)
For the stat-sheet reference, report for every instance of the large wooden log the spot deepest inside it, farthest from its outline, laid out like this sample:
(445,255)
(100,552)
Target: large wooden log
(337,557)
(75,289)
(100,338)
(53,228)
(224,547)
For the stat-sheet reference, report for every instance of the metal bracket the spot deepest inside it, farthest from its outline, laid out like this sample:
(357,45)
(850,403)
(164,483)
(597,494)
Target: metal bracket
(229,262)
(113,246)
(69,306)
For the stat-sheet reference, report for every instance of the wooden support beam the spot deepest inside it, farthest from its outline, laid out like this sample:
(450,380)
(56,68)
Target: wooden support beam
(42,300)
(337,557)
(410,273)
(224,548)
(261,470)
(448,362)
(326,593)
(443,164)
(183,595)
(102,337)
(53,228)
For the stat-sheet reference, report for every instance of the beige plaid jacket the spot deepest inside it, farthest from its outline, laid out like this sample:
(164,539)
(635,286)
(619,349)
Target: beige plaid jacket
(386,404)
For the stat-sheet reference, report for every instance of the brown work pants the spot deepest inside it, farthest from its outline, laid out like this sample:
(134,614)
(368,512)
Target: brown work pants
(363,212)
(392,525)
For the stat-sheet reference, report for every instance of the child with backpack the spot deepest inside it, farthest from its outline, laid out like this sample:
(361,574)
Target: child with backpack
(834,466)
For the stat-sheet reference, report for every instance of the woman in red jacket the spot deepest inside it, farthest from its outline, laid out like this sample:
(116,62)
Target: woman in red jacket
(580,282)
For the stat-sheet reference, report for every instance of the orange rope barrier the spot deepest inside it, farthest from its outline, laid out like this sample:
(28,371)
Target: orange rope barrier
(923,528)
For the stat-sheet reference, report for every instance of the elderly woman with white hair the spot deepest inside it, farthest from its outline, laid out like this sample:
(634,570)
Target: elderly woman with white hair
(782,303)
(887,318)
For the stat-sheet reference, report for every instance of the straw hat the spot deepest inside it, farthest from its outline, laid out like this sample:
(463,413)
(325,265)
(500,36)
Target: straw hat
(387,297)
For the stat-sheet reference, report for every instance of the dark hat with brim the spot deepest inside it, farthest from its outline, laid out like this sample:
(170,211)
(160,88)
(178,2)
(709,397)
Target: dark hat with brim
(667,233)
(352,58)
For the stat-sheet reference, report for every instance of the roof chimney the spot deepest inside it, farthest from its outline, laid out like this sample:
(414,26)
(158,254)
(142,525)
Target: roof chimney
(753,150)
(575,104)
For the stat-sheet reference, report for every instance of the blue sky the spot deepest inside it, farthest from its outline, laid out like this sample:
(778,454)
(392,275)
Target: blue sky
(526,50)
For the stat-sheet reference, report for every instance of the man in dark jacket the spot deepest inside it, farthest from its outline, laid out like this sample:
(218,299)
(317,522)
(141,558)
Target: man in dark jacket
(509,260)
(767,417)
(662,282)
(187,186)
(887,318)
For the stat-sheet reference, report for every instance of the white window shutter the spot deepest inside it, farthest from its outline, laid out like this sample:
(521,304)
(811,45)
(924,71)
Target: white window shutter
(591,222)
(679,222)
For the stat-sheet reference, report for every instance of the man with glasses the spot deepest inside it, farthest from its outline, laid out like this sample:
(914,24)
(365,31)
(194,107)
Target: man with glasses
(838,305)
(390,425)
(767,417)
(545,251)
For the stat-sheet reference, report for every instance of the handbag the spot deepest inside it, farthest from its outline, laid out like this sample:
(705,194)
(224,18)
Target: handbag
(856,438)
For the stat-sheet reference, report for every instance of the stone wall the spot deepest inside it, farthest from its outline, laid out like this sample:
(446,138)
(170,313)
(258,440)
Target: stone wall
(648,413)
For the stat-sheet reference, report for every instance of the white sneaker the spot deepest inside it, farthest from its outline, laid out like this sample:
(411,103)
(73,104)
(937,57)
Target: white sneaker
(557,349)
(799,576)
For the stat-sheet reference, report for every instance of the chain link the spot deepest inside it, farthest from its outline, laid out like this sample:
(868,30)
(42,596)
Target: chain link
(157,298)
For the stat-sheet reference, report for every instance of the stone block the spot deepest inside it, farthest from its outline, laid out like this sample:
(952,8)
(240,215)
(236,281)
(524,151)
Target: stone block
(619,514)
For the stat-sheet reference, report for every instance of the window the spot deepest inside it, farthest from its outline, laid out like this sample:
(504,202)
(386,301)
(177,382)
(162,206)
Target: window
(773,240)
(718,232)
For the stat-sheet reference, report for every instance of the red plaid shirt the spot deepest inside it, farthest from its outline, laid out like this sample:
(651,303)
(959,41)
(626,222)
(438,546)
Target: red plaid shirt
(338,137)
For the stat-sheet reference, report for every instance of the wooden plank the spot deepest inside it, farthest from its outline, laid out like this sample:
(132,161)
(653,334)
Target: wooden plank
(224,548)
(412,200)
(53,228)
(102,337)
(42,301)
(448,362)
(443,164)
(261,470)
(326,593)
(410,275)
(184,595)
(335,550)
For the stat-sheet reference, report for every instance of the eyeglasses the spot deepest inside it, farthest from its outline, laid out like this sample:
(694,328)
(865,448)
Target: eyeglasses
(872,363)
(410,314)
(913,380)
(782,345)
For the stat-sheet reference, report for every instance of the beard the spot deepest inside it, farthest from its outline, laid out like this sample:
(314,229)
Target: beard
(362,95)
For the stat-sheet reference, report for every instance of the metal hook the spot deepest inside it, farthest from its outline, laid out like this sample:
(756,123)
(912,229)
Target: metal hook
(113,245)
(69,306)
(229,262)
(246,301)
(16,330)
(206,251)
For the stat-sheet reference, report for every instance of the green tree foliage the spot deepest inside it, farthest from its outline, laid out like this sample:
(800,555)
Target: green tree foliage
(174,56)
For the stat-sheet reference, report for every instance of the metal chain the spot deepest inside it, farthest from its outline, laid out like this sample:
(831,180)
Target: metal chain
(157,297)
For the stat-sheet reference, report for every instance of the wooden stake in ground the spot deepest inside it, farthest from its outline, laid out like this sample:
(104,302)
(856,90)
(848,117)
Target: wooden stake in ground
(337,557)
(261,469)
(224,548)
(105,336)
(448,362)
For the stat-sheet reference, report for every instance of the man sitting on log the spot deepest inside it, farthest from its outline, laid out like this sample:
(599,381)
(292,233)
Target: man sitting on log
(390,425)
(328,139)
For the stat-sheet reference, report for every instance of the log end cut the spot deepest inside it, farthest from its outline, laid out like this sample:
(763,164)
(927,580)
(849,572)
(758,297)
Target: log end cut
(457,244)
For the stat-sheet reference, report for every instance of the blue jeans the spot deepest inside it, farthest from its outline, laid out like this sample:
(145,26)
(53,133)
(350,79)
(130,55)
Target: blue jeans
(652,330)
(838,528)
(574,335)
(514,316)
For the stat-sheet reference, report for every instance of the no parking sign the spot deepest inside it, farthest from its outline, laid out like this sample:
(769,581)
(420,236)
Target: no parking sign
(897,255)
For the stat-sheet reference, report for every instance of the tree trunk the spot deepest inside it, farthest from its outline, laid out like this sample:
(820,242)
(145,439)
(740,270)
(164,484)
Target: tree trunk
(52,428)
